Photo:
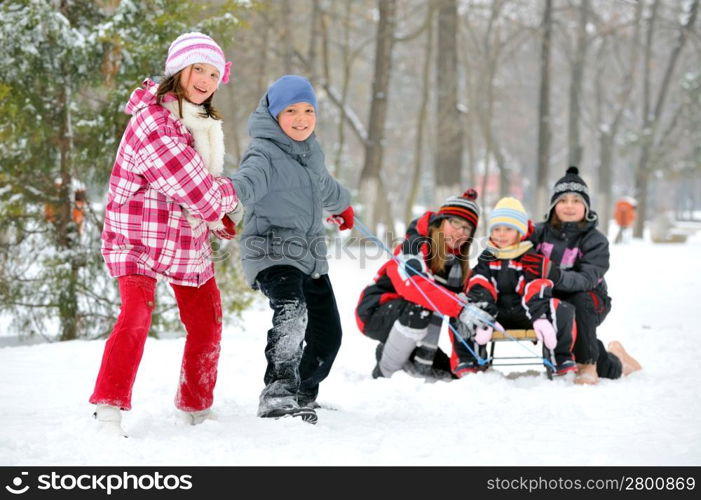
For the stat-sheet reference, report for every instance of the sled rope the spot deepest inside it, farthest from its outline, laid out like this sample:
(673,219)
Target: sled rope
(364,229)
(415,272)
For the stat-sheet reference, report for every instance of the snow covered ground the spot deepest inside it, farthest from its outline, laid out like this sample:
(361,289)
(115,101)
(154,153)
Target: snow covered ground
(649,418)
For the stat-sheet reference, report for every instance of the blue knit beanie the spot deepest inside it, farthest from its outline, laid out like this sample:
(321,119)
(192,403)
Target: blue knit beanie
(288,90)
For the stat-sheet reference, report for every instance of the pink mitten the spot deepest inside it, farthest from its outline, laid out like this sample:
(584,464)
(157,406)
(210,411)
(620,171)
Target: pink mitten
(545,332)
(483,334)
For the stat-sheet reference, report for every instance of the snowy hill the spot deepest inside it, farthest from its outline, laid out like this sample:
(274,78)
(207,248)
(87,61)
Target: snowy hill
(649,418)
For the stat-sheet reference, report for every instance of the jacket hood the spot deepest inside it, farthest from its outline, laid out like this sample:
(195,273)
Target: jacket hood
(142,97)
(262,125)
(422,224)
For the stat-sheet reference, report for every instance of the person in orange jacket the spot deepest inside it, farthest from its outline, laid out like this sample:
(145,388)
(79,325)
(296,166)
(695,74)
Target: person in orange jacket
(624,215)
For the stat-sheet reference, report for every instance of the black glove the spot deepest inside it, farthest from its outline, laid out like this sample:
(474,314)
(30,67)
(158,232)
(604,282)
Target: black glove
(536,266)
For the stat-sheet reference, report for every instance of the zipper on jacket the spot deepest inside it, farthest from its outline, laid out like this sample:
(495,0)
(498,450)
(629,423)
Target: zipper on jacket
(314,214)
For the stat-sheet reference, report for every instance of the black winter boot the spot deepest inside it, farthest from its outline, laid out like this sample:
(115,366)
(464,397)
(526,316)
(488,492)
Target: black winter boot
(378,351)
(306,414)
(307,401)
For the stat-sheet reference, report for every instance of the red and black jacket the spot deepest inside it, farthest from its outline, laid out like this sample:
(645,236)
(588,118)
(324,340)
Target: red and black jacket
(508,294)
(411,280)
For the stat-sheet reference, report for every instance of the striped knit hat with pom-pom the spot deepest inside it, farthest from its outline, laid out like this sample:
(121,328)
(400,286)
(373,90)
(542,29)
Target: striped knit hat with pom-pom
(463,206)
(572,183)
(192,48)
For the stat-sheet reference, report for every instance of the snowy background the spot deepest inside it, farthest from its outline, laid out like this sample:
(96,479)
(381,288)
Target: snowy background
(501,417)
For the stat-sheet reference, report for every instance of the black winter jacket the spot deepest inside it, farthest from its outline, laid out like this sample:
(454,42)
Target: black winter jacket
(581,252)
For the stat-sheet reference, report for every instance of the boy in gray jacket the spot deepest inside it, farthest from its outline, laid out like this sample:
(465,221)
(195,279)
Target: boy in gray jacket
(284,187)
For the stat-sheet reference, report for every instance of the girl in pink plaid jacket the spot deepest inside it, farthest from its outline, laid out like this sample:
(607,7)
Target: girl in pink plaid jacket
(165,194)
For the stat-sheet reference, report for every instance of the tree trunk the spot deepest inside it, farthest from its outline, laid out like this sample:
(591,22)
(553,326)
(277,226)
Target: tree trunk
(226,99)
(544,113)
(67,232)
(607,133)
(605,181)
(347,66)
(575,146)
(504,173)
(286,36)
(448,155)
(325,55)
(420,121)
(262,66)
(313,40)
(467,61)
(485,105)
(374,148)
(651,120)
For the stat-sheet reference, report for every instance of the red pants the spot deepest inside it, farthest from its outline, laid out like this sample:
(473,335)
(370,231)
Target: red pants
(200,312)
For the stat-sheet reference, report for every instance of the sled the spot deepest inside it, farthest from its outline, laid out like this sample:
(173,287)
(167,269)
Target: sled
(517,335)
(514,334)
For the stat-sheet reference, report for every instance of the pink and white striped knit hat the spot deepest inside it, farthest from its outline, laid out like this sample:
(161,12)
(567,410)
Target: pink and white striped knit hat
(192,48)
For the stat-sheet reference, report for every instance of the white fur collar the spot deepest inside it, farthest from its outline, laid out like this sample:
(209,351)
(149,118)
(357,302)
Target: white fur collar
(207,133)
(209,143)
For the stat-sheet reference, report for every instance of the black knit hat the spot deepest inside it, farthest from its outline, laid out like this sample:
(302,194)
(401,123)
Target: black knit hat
(571,183)
(463,206)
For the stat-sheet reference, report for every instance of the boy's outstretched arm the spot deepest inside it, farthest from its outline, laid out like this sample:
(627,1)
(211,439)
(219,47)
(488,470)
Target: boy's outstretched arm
(334,196)
(252,179)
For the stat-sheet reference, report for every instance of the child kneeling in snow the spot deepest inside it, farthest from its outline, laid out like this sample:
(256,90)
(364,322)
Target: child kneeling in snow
(516,299)
(404,307)
(579,256)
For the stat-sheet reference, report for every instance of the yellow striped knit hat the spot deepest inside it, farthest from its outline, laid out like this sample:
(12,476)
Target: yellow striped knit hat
(509,212)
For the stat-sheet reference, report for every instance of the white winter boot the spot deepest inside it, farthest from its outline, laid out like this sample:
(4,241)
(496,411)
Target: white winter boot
(109,420)
(197,417)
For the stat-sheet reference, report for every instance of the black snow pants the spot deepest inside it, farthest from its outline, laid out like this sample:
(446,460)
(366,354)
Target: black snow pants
(591,308)
(380,323)
(305,337)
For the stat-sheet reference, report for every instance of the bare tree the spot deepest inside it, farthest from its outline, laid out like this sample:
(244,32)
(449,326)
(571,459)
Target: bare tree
(544,133)
(421,120)
(576,82)
(334,44)
(68,303)
(286,36)
(314,31)
(607,129)
(489,46)
(652,116)
(371,190)
(449,139)
(348,57)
